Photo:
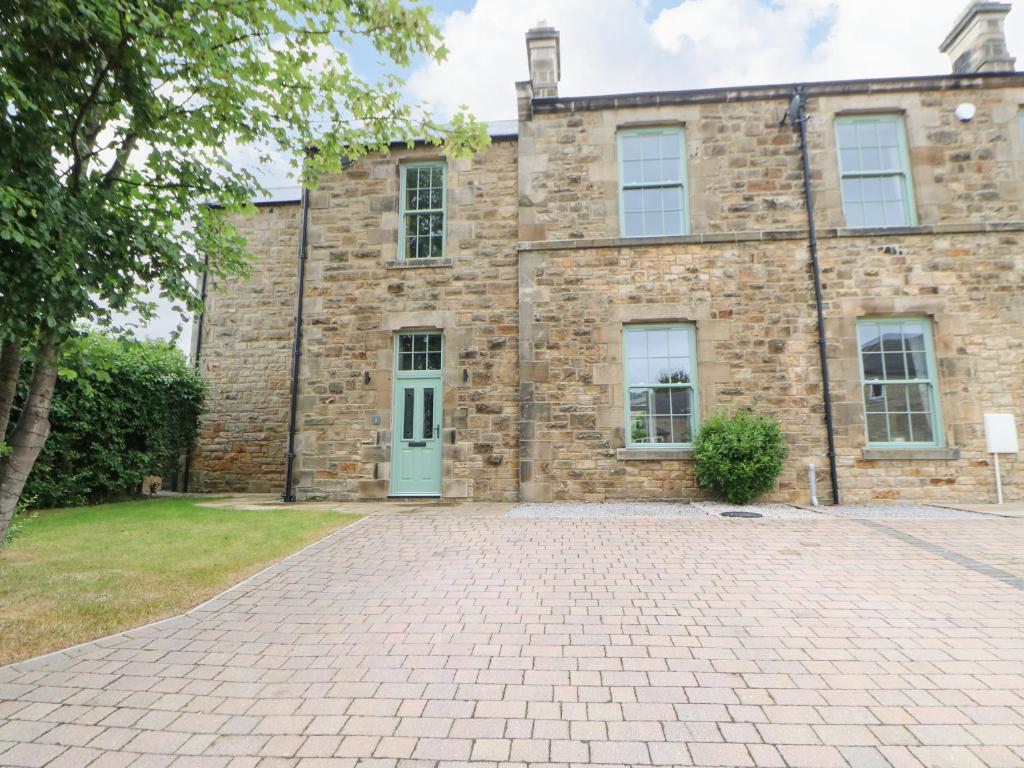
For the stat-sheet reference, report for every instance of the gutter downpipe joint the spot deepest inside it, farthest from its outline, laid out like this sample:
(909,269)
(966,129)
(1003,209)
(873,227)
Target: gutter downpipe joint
(798,116)
(289,484)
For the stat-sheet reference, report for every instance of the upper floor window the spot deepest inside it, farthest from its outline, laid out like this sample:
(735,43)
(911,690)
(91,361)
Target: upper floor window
(898,375)
(422,210)
(661,391)
(874,171)
(652,182)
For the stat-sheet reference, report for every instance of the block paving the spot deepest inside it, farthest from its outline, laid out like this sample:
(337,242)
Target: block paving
(445,640)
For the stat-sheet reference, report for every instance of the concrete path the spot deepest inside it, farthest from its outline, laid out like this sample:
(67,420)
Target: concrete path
(441,639)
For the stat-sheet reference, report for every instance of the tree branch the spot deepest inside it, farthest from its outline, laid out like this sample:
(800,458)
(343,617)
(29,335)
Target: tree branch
(120,161)
(78,165)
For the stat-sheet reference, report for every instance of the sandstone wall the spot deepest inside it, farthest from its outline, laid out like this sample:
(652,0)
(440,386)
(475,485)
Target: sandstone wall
(743,277)
(246,357)
(359,296)
(744,172)
(755,346)
(533,395)
(972,288)
(752,304)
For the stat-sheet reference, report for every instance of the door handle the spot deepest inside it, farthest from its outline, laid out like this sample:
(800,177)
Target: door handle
(437,432)
(418,444)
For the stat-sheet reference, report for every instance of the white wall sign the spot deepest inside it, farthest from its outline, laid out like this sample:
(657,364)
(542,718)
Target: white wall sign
(1001,436)
(1001,433)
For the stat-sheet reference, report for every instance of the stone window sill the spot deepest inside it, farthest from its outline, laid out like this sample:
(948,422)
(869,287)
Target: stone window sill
(911,454)
(418,263)
(654,454)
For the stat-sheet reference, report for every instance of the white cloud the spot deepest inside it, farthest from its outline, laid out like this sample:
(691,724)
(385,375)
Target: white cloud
(613,46)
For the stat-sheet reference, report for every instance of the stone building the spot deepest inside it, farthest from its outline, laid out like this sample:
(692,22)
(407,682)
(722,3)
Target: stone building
(553,318)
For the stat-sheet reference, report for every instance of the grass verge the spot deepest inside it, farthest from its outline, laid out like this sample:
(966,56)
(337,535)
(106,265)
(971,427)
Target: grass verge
(72,575)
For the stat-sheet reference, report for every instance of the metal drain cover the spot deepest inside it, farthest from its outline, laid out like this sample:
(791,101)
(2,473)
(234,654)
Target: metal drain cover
(741,513)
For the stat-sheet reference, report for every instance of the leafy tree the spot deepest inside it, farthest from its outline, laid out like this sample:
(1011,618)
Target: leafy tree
(116,119)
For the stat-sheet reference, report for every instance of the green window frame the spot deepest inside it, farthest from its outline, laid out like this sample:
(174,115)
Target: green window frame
(874,172)
(660,375)
(419,352)
(898,381)
(423,210)
(653,188)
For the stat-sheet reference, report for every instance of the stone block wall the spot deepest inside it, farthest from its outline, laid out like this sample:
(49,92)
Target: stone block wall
(743,171)
(743,168)
(756,346)
(971,287)
(743,278)
(962,172)
(359,296)
(246,356)
(536,286)
(752,304)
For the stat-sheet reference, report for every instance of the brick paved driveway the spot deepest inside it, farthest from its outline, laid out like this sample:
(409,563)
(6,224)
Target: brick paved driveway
(434,640)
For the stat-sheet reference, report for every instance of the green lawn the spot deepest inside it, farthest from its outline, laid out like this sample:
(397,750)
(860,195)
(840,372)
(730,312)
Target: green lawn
(71,575)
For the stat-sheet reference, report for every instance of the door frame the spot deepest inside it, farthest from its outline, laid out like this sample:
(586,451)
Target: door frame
(397,378)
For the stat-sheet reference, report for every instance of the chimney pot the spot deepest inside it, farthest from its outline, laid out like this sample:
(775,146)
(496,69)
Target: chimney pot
(542,51)
(978,40)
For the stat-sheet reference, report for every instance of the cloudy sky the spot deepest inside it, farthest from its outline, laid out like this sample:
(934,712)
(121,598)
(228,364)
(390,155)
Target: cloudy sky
(615,46)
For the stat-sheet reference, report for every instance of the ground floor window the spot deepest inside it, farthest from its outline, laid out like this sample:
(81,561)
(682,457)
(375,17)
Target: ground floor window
(898,378)
(661,392)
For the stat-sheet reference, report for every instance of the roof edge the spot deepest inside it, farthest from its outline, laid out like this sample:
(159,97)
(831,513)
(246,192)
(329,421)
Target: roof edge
(779,91)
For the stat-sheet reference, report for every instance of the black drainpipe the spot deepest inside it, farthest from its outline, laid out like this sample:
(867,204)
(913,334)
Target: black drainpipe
(289,485)
(798,116)
(195,360)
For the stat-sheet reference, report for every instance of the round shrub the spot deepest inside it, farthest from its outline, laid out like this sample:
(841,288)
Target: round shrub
(739,457)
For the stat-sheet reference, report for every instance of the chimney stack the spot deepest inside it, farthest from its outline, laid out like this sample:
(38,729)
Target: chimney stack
(978,40)
(545,60)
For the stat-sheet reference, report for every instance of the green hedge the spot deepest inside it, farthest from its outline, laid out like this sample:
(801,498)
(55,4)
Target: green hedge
(122,410)
(739,457)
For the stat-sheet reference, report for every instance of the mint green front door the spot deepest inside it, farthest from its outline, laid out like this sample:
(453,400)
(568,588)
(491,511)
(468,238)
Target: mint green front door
(416,437)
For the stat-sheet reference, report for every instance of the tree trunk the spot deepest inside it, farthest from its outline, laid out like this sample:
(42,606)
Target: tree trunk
(10,367)
(30,432)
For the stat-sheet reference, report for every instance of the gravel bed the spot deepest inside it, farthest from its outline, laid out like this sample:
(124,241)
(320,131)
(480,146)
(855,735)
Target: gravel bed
(714,509)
